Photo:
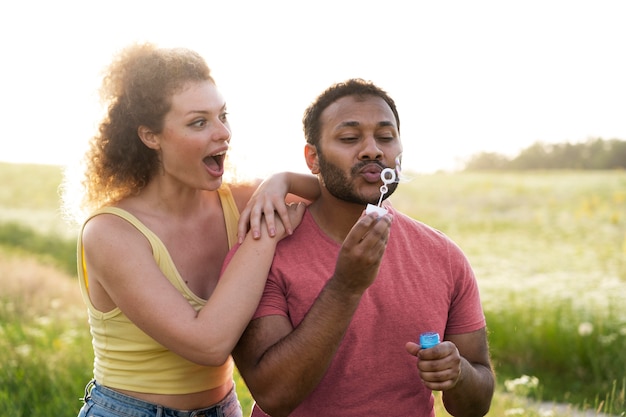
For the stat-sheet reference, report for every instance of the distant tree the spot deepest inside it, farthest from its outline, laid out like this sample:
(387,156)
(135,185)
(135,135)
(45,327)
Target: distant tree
(487,161)
(534,157)
(592,154)
(616,157)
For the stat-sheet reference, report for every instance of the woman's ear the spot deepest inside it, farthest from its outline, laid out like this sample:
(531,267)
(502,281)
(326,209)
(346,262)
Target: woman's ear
(311,157)
(148,137)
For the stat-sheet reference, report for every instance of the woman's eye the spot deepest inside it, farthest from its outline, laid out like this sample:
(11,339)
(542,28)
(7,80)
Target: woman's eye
(223,117)
(199,123)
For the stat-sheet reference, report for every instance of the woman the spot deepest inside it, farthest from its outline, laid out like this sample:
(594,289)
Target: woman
(161,223)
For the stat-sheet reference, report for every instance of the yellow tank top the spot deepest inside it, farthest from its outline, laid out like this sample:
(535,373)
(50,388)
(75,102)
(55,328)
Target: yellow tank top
(126,357)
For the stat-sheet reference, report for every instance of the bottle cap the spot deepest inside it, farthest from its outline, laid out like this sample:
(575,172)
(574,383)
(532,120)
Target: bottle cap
(429,339)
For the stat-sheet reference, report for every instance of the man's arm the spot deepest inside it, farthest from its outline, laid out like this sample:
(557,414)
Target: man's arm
(472,394)
(282,365)
(459,367)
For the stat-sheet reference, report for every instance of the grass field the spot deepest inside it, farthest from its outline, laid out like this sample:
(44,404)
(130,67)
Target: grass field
(548,248)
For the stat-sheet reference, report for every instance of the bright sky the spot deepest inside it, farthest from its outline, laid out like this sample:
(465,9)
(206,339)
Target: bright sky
(467,76)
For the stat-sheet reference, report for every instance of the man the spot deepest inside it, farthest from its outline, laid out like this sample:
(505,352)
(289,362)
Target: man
(349,294)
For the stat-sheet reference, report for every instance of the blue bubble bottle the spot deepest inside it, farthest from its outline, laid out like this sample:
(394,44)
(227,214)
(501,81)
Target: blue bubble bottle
(429,339)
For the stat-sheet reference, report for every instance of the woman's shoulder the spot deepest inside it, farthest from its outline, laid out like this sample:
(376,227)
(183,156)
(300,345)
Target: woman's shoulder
(107,237)
(109,221)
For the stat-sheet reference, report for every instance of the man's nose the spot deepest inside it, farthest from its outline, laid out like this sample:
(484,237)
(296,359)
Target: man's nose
(370,150)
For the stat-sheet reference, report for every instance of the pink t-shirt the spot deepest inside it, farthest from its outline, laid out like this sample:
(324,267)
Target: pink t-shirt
(425,283)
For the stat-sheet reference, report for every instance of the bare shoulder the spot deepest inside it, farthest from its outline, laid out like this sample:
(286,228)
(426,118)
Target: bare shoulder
(107,235)
(116,256)
(105,226)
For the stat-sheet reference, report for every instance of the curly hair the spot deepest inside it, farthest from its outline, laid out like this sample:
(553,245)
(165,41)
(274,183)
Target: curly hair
(353,87)
(137,89)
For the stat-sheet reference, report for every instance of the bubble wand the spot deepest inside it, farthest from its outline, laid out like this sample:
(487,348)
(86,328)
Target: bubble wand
(388,176)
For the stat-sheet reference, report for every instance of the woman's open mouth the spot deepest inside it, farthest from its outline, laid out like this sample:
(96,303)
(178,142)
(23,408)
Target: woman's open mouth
(215,163)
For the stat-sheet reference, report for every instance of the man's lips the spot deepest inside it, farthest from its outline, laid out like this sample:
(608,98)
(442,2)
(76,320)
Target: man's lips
(371,173)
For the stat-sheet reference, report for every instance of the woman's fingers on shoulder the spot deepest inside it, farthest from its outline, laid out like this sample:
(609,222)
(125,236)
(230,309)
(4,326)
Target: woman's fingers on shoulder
(298,210)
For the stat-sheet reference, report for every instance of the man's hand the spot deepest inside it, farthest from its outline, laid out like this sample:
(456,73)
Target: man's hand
(439,367)
(459,367)
(361,253)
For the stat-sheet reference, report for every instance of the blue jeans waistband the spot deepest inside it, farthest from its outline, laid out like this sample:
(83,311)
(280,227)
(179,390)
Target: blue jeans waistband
(116,402)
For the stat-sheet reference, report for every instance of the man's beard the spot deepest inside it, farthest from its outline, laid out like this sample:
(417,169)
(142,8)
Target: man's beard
(342,187)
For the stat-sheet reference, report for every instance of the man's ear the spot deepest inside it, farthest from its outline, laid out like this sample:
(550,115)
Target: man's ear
(312,158)
(148,137)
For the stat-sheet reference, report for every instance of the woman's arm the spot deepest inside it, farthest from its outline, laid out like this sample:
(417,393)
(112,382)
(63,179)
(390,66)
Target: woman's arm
(123,273)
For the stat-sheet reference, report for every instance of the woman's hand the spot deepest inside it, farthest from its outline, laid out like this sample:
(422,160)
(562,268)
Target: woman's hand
(269,198)
(294,212)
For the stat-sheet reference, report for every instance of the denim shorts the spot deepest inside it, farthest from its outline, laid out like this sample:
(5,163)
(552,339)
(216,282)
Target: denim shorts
(104,402)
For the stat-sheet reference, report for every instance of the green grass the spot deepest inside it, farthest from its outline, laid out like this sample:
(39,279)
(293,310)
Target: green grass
(45,347)
(43,363)
(548,248)
(30,215)
(30,195)
(549,251)
(15,237)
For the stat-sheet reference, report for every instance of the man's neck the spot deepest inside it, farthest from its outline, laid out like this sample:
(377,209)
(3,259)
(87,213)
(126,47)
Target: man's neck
(335,217)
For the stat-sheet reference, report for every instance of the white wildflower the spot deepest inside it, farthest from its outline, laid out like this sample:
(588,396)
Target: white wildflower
(35,332)
(522,385)
(23,350)
(585,328)
(607,339)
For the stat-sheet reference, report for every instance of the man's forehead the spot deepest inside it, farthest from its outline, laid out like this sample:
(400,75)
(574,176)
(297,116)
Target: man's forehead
(349,110)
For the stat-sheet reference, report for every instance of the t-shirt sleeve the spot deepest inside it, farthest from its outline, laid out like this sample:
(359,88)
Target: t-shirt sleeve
(466,313)
(273,301)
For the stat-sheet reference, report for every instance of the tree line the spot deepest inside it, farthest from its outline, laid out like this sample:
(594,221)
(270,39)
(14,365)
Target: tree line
(594,154)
